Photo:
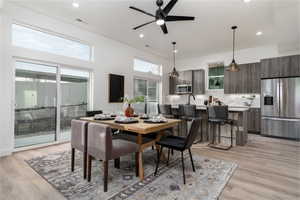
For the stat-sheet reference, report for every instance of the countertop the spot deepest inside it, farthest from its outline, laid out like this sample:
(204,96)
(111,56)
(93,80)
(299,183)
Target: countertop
(230,108)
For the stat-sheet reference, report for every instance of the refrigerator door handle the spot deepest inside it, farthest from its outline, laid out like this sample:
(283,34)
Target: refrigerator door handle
(281,119)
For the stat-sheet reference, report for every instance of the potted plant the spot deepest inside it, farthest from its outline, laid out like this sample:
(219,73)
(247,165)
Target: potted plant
(129,110)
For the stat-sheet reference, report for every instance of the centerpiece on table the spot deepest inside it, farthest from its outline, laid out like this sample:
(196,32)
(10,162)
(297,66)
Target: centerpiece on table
(129,112)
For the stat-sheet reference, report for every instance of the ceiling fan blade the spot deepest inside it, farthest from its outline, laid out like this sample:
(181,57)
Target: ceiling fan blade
(179,18)
(164,28)
(169,6)
(143,25)
(139,10)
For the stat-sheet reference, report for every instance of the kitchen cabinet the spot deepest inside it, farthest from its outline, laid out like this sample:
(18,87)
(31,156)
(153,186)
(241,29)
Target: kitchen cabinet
(247,80)
(198,82)
(185,77)
(287,66)
(254,120)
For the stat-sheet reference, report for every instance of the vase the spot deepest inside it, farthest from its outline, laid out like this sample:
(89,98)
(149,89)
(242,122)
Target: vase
(129,111)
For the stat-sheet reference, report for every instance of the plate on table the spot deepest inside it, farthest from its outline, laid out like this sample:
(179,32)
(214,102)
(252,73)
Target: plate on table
(126,121)
(104,118)
(144,118)
(151,121)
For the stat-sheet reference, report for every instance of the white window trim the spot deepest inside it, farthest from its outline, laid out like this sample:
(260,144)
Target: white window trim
(50,32)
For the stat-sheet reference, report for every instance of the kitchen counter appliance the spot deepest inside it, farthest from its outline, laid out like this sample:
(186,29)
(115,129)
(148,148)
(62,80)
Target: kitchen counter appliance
(280,107)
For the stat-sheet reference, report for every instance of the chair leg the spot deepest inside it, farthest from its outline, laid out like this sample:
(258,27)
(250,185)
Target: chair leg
(117,163)
(219,134)
(137,164)
(182,161)
(191,157)
(84,164)
(168,156)
(72,159)
(105,178)
(159,152)
(89,168)
(231,134)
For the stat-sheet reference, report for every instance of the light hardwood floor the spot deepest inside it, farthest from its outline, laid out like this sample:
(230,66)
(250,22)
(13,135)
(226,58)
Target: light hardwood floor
(268,169)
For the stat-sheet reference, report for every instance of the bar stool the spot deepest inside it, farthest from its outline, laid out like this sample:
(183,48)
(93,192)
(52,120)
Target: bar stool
(218,116)
(165,110)
(187,113)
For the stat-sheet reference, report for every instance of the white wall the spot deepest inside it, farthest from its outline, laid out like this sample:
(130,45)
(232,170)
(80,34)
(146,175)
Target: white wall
(109,57)
(243,56)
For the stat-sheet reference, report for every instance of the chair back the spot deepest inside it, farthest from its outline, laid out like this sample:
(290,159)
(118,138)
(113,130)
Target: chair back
(189,111)
(78,134)
(92,113)
(165,109)
(218,112)
(194,131)
(99,141)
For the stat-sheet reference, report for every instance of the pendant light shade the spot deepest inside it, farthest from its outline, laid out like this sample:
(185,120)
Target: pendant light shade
(174,72)
(233,67)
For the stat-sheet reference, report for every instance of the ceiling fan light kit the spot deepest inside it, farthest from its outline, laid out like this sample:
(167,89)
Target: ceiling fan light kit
(162,15)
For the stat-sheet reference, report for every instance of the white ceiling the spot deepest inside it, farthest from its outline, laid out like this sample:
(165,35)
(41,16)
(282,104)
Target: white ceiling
(209,33)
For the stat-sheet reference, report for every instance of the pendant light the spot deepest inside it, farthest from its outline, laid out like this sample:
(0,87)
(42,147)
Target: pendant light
(233,67)
(174,72)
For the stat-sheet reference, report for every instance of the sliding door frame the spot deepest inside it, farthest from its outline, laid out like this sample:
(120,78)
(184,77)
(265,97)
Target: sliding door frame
(58,138)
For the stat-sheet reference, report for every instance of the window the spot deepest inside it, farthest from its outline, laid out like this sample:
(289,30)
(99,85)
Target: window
(146,67)
(216,76)
(150,90)
(41,41)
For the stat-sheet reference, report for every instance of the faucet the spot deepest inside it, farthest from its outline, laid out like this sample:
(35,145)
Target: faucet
(189,98)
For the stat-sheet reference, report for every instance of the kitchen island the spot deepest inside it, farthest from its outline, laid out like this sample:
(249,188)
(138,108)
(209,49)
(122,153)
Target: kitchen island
(237,113)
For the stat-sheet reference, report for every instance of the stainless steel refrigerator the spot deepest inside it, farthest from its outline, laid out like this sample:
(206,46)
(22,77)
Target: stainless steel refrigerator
(280,107)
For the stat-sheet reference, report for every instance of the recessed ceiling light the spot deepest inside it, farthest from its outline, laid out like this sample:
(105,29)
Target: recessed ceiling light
(246,1)
(258,33)
(141,35)
(75,4)
(175,51)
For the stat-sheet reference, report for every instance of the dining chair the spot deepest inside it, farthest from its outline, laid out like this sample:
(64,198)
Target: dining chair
(179,144)
(102,146)
(218,116)
(79,142)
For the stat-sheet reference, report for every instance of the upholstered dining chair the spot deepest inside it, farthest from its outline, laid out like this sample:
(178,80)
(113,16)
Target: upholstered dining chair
(165,110)
(79,142)
(102,146)
(179,144)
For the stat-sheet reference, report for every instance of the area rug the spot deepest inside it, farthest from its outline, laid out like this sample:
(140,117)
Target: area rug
(206,183)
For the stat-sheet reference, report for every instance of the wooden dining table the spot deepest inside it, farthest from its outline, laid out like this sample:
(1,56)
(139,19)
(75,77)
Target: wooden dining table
(141,129)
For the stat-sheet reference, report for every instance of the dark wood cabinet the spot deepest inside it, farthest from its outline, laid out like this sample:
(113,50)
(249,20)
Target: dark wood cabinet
(198,82)
(247,80)
(287,66)
(254,118)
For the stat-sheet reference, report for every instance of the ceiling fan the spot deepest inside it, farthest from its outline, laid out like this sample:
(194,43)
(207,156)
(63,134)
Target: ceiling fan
(162,15)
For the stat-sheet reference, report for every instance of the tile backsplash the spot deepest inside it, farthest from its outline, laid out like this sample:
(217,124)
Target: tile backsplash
(228,99)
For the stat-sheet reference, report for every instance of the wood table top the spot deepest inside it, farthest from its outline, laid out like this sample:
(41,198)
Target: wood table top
(140,127)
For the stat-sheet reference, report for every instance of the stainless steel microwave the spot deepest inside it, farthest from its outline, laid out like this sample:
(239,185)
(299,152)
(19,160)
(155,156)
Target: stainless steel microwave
(184,89)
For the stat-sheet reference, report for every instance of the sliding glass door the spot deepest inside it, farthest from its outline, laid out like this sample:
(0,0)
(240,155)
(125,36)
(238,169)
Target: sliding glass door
(74,86)
(35,103)
(41,92)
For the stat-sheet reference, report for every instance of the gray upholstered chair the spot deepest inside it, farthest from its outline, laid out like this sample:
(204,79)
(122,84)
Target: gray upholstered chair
(102,146)
(79,142)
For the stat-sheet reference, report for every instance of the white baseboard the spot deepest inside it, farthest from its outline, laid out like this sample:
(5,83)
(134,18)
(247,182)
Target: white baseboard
(5,152)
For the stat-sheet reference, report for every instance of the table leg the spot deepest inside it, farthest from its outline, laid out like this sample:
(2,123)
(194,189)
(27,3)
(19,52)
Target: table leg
(140,160)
